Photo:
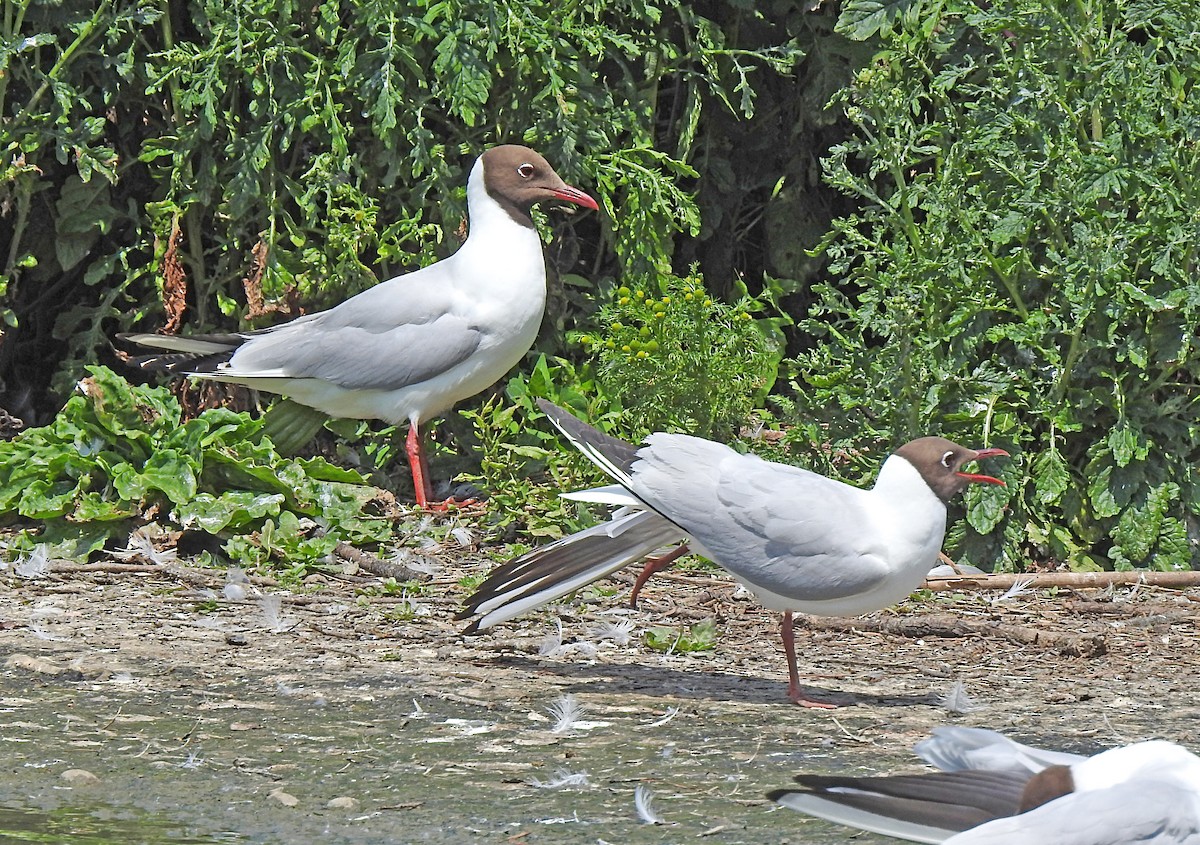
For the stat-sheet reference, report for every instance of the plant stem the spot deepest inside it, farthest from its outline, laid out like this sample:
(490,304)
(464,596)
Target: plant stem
(85,33)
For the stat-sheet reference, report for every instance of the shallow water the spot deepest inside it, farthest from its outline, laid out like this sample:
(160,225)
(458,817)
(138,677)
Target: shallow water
(208,766)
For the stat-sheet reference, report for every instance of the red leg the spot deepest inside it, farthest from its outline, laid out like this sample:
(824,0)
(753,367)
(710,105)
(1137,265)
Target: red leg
(419,464)
(655,564)
(414,445)
(789,648)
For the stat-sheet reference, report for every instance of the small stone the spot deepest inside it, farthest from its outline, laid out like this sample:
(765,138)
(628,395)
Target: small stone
(30,663)
(284,798)
(236,639)
(244,726)
(342,802)
(79,777)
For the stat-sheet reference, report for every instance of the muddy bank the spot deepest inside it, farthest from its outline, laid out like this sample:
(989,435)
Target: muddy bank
(347,715)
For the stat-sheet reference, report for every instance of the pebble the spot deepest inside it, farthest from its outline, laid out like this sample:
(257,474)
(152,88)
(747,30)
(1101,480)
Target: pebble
(79,777)
(284,798)
(342,802)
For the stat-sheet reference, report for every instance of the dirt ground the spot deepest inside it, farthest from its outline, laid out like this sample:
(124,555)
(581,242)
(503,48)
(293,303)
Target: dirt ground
(354,715)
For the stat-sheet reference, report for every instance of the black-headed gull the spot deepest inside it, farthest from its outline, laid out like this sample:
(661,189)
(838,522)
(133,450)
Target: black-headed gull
(409,348)
(798,541)
(998,791)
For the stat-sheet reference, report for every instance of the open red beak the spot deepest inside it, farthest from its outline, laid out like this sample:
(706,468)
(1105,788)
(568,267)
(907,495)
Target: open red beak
(574,195)
(984,479)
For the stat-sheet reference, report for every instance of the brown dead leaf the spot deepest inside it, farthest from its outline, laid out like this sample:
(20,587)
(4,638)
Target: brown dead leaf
(174,286)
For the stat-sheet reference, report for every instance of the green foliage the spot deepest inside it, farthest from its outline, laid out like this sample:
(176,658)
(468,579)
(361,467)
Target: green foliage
(677,359)
(1023,269)
(699,637)
(306,150)
(522,462)
(119,455)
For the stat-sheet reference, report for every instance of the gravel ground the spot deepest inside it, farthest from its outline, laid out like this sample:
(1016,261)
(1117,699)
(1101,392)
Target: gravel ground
(345,714)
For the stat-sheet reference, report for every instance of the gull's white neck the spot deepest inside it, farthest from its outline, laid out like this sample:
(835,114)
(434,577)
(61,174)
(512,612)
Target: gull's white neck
(911,514)
(493,232)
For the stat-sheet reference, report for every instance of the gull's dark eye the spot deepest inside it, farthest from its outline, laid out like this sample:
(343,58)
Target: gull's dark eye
(948,459)
(525,171)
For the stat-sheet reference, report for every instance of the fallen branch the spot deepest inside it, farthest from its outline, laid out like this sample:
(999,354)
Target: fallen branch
(946,625)
(214,580)
(372,564)
(1079,580)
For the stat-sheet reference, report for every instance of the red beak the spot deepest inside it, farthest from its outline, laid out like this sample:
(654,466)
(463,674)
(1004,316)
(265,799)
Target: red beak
(984,479)
(574,195)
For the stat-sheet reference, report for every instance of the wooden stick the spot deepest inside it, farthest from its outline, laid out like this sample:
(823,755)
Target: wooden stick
(947,625)
(1152,578)
(195,577)
(372,564)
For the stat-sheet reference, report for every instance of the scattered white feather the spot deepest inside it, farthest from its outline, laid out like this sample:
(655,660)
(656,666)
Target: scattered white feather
(462,536)
(619,632)
(213,623)
(273,617)
(671,714)
(39,631)
(1018,588)
(418,712)
(566,712)
(141,546)
(465,727)
(956,700)
(234,592)
(36,564)
(552,643)
(193,761)
(411,607)
(562,779)
(643,800)
(417,563)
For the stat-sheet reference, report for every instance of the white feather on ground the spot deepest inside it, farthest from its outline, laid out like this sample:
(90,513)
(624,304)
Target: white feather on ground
(36,564)
(562,779)
(956,699)
(643,800)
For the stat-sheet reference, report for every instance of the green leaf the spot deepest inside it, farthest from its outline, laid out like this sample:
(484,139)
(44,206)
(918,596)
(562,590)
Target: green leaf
(864,19)
(234,508)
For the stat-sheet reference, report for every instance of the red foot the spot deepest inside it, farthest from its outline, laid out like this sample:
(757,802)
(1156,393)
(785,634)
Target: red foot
(452,504)
(797,697)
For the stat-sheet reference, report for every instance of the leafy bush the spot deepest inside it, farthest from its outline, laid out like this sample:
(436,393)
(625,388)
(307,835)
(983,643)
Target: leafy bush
(243,157)
(676,359)
(1024,268)
(118,456)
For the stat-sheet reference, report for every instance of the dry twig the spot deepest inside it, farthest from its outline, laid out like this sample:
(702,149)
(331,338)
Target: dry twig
(946,625)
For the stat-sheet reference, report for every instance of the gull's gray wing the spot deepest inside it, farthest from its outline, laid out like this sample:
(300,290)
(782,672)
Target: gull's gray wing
(1142,812)
(767,523)
(388,337)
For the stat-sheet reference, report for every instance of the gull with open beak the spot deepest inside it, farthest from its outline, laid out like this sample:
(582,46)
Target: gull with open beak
(800,542)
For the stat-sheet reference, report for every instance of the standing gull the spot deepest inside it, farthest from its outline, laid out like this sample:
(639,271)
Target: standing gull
(800,542)
(408,348)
